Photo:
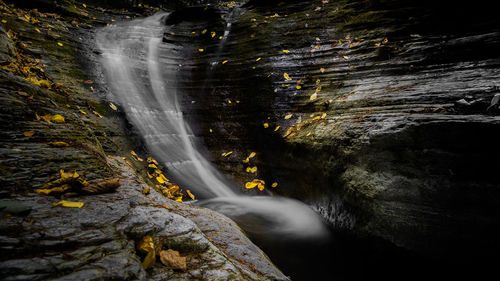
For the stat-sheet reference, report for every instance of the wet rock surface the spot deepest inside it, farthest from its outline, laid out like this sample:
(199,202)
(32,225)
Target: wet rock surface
(99,240)
(390,105)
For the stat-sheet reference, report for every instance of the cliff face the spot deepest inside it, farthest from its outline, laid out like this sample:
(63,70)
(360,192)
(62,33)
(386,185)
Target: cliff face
(62,143)
(385,104)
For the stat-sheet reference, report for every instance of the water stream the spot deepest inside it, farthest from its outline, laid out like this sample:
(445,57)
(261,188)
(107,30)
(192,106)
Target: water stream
(142,73)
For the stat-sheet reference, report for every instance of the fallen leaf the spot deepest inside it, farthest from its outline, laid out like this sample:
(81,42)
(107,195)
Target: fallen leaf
(322,70)
(166,206)
(227,154)
(105,186)
(252,170)
(275,184)
(37,30)
(224,62)
(68,204)
(29,133)
(266,125)
(252,154)
(288,116)
(83,112)
(190,194)
(286,51)
(173,259)
(160,180)
(136,156)
(203,31)
(59,144)
(147,246)
(287,77)
(59,189)
(57,118)
(201,50)
(258,59)
(255,183)
(179,199)
(212,34)
(113,106)
(60,44)
(298,87)
(152,160)
(152,166)
(313,97)
(323,116)
(346,57)
(145,190)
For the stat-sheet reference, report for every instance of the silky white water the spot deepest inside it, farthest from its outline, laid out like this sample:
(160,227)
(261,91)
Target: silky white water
(142,72)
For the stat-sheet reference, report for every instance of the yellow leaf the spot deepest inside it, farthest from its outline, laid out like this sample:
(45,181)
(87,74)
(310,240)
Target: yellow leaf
(313,96)
(57,118)
(113,106)
(75,175)
(258,59)
(298,87)
(37,30)
(323,116)
(29,133)
(160,180)
(146,245)
(190,194)
(224,62)
(145,190)
(212,34)
(59,189)
(346,57)
(220,37)
(286,51)
(201,50)
(277,128)
(211,131)
(275,184)
(288,116)
(252,169)
(179,199)
(84,5)
(60,44)
(68,204)
(152,166)
(260,186)
(4,21)
(308,134)
(83,112)
(250,185)
(252,154)
(59,144)
(136,156)
(377,44)
(150,159)
(266,125)
(163,177)
(203,31)
(287,77)
(322,70)
(385,41)
(227,154)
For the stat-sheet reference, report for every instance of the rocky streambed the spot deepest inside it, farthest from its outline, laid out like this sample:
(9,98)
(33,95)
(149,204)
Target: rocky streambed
(379,114)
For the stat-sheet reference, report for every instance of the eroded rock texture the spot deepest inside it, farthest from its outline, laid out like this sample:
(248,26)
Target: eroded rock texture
(390,104)
(98,241)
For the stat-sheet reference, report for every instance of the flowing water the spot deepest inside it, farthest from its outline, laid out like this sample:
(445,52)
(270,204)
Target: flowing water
(142,73)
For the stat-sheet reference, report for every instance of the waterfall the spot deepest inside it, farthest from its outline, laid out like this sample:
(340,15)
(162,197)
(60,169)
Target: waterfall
(141,71)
